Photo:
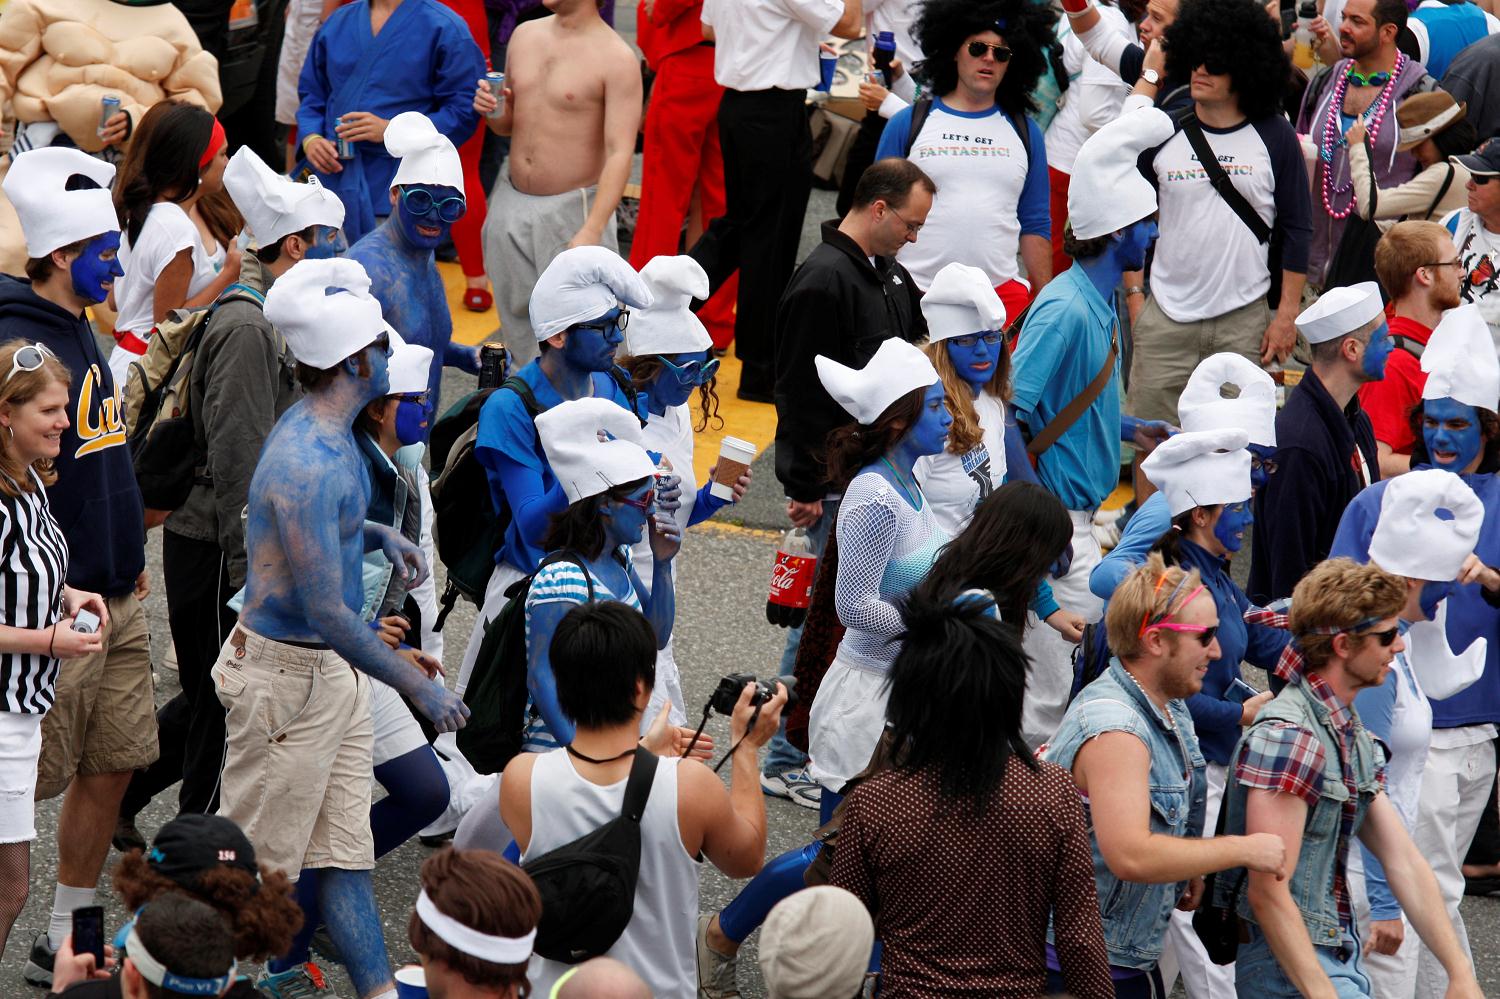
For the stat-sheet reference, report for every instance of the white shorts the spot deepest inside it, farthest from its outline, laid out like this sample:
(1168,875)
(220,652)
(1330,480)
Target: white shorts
(844,725)
(20,747)
(396,731)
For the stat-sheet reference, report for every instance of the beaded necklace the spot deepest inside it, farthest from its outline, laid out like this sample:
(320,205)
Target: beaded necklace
(1171,722)
(1333,136)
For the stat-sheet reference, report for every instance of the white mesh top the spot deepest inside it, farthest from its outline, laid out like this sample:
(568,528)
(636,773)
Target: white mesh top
(885,548)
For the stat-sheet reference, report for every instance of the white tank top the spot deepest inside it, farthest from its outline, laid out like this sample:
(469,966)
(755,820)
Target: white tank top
(659,944)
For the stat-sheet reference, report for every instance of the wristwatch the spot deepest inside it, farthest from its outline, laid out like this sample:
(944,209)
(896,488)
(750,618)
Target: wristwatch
(1151,76)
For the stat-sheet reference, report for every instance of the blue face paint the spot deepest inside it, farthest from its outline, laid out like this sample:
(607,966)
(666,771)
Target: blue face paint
(425,231)
(95,269)
(667,389)
(591,346)
(411,421)
(1452,433)
(1378,349)
(1135,242)
(930,434)
(1230,528)
(327,242)
(1262,464)
(625,524)
(976,362)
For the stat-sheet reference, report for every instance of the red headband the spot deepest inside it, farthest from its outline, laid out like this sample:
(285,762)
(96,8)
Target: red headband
(215,143)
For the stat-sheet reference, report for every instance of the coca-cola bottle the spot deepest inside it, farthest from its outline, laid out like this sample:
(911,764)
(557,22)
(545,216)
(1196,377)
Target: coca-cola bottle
(792,580)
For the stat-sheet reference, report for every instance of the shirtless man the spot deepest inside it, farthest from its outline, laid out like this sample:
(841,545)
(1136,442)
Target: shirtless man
(572,110)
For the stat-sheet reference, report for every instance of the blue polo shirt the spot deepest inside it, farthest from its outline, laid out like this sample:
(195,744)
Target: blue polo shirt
(1063,344)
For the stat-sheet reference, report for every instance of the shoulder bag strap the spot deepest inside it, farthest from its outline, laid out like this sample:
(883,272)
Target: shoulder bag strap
(566,556)
(919,112)
(638,788)
(520,388)
(1220,181)
(1407,344)
(1080,404)
(1442,192)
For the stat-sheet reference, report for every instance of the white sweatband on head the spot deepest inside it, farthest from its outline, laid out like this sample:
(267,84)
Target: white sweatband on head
(157,974)
(496,950)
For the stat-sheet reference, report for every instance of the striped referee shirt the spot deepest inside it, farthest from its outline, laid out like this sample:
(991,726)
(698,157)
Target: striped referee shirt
(33,568)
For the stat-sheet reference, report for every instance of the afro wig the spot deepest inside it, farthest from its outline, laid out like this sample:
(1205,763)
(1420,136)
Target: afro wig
(1028,29)
(1235,37)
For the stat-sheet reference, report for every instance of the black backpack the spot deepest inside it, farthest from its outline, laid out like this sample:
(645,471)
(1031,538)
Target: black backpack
(588,885)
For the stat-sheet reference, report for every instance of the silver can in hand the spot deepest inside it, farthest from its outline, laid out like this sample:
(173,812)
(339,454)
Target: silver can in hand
(344,146)
(497,87)
(109,106)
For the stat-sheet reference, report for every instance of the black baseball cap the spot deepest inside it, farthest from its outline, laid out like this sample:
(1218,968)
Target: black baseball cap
(1482,162)
(191,844)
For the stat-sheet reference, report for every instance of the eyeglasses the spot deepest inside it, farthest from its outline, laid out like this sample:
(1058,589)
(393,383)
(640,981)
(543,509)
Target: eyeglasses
(1259,464)
(1357,629)
(419,399)
(693,372)
(644,503)
(990,338)
(605,325)
(421,203)
(911,228)
(1455,262)
(1213,67)
(382,343)
(1385,638)
(1205,632)
(1481,178)
(978,49)
(28,358)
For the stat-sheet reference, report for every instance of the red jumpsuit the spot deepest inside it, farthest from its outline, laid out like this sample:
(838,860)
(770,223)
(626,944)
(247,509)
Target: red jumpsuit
(681,144)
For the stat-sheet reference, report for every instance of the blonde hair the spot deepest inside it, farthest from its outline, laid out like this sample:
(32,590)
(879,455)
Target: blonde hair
(1143,594)
(17,390)
(965,433)
(1340,593)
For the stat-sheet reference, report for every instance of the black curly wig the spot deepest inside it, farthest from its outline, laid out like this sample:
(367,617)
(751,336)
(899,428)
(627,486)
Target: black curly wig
(1237,37)
(1027,28)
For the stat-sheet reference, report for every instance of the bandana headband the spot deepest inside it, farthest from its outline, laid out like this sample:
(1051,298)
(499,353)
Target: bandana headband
(156,973)
(497,950)
(215,143)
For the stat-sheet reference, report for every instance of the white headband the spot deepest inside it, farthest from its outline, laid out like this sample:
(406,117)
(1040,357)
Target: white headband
(1436,123)
(497,950)
(157,974)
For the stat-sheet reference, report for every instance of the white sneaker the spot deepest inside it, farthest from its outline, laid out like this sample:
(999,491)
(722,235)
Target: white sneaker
(795,786)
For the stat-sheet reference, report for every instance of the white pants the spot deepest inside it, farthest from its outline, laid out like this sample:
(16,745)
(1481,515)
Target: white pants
(494,603)
(1455,789)
(1051,673)
(426,594)
(1392,976)
(1184,953)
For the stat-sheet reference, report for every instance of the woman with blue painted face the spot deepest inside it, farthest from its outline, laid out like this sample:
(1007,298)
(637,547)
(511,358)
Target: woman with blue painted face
(887,538)
(670,362)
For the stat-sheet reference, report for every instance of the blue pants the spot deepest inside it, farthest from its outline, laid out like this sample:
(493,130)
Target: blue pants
(1257,973)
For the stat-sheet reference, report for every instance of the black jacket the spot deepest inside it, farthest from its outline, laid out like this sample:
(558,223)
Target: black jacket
(839,306)
(95,499)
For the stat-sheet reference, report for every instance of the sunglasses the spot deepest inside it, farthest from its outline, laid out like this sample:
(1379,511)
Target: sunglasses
(1481,178)
(421,203)
(1385,638)
(382,343)
(978,49)
(693,372)
(1259,464)
(605,325)
(644,503)
(28,358)
(1205,632)
(990,338)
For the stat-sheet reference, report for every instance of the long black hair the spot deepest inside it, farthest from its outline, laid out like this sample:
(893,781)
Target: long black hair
(580,528)
(1027,28)
(956,690)
(1014,537)
(853,446)
(163,161)
(1235,37)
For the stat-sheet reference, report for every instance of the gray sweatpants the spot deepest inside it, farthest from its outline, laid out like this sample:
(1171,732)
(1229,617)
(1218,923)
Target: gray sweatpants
(522,233)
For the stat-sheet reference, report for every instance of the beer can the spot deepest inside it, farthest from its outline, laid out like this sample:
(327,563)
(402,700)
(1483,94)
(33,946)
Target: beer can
(345,146)
(493,358)
(497,87)
(109,106)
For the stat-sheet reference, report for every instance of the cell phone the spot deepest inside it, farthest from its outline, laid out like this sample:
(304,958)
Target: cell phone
(1239,691)
(88,933)
(86,621)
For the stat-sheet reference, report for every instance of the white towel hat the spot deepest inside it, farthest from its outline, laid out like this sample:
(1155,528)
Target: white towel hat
(427,156)
(582,284)
(896,369)
(1429,523)
(1202,405)
(51,215)
(960,301)
(410,367)
(1107,192)
(1340,311)
(325,310)
(1460,360)
(1201,468)
(668,325)
(275,206)
(583,464)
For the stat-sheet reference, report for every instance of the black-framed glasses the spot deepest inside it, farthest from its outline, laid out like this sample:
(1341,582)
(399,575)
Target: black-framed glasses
(416,399)
(990,338)
(1214,66)
(1481,178)
(644,503)
(28,358)
(1259,464)
(978,49)
(421,203)
(912,228)
(603,326)
(1455,262)
(693,372)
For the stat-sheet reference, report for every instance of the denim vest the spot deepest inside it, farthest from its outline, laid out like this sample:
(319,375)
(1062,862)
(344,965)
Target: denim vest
(1135,915)
(1319,859)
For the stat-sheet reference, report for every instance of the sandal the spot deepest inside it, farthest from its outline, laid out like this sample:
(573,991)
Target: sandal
(478,300)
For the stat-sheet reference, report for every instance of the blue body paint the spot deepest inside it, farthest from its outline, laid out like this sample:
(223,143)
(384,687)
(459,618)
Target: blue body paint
(975,364)
(1452,434)
(667,390)
(1260,455)
(95,269)
(327,243)
(1234,520)
(1376,352)
(591,346)
(411,421)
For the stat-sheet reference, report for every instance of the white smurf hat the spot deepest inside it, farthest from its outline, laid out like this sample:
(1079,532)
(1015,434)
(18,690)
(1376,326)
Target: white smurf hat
(51,215)
(1201,468)
(427,156)
(582,284)
(896,369)
(325,310)
(1460,360)
(275,206)
(1107,192)
(1202,405)
(410,366)
(667,325)
(1429,523)
(960,301)
(1340,311)
(583,464)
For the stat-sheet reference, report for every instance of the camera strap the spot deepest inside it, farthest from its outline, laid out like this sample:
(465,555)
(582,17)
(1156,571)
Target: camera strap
(707,710)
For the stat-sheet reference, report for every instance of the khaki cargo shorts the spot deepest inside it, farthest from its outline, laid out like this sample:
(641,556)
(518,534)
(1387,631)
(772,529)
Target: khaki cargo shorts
(297,767)
(104,718)
(1166,352)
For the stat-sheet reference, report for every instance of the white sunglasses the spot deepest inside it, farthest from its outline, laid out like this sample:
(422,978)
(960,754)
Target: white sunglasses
(28,358)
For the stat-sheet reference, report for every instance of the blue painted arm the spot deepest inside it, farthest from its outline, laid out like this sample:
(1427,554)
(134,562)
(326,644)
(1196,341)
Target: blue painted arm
(1150,522)
(1017,461)
(543,620)
(661,605)
(461,356)
(706,504)
(407,559)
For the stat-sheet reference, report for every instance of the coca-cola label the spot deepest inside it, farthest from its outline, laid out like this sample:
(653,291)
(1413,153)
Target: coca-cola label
(792,580)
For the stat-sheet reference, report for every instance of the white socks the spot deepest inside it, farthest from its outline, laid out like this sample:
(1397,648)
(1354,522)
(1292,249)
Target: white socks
(64,901)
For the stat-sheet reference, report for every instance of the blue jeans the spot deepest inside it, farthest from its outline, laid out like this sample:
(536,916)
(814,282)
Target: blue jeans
(781,755)
(1258,974)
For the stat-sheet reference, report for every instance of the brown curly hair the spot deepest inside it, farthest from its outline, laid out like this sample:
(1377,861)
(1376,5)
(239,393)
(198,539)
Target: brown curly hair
(644,370)
(966,433)
(264,915)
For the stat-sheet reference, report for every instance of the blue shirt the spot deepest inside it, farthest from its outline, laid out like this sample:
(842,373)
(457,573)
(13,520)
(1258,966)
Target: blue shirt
(1063,344)
(1449,28)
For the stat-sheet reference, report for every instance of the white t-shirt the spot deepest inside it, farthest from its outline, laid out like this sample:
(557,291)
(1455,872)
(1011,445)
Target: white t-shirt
(954,484)
(1093,98)
(167,232)
(895,16)
(1479,249)
(760,44)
